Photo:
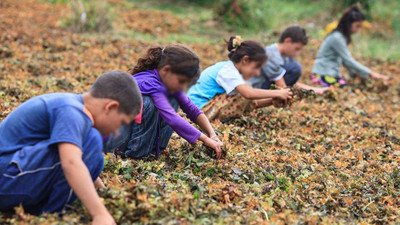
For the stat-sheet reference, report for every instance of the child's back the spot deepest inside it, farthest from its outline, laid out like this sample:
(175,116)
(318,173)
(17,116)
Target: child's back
(51,117)
(51,146)
(206,87)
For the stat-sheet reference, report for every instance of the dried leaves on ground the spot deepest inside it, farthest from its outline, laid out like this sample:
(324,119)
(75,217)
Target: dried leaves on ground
(327,159)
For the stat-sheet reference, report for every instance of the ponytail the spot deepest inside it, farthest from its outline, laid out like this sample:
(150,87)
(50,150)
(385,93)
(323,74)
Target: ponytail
(149,61)
(181,59)
(238,49)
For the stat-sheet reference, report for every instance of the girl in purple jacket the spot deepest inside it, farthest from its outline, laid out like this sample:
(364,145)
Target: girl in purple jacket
(162,75)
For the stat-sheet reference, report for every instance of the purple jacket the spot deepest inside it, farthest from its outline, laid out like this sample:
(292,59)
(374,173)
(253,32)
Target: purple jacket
(149,83)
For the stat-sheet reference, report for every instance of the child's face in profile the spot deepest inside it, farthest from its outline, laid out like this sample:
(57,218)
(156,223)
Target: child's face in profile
(356,26)
(292,49)
(111,120)
(249,68)
(173,81)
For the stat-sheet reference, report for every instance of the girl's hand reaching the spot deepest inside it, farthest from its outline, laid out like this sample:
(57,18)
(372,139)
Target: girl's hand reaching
(379,76)
(216,145)
(215,138)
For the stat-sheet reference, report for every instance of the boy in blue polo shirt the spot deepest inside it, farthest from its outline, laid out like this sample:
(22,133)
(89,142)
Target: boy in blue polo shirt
(51,146)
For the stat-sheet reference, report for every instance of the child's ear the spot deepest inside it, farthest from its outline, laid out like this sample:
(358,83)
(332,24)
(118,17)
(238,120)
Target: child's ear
(166,69)
(245,59)
(111,106)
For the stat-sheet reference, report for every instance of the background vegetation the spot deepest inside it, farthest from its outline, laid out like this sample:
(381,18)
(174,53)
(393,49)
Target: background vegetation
(331,159)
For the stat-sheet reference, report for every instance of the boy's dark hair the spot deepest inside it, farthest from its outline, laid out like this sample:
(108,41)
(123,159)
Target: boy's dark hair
(121,87)
(353,14)
(296,33)
(254,50)
(181,59)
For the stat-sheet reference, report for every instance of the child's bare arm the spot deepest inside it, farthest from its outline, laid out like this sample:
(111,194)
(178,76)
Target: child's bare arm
(255,93)
(317,90)
(78,177)
(212,144)
(98,183)
(264,102)
(379,76)
(281,83)
(205,125)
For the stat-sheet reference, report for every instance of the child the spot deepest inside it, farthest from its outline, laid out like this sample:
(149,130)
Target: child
(51,146)
(162,75)
(222,91)
(281,69)
(334,52)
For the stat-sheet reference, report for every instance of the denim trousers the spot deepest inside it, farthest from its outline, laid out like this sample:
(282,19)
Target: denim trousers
(140,140)
(34,178)
(292,75)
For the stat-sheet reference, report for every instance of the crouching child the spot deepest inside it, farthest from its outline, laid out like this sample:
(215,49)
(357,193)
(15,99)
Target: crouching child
(51,146)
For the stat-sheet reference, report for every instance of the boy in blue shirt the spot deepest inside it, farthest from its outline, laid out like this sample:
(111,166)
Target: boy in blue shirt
(51,146)
(281,69)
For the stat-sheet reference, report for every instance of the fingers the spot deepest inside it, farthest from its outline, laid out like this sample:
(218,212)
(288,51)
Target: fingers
(219,152)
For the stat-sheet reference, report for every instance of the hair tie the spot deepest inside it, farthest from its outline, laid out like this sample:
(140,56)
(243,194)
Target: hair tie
(162,51)
(236,42)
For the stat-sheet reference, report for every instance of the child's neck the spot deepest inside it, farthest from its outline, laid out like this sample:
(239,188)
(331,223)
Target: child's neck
(89,102)
(281,49)
(237,66)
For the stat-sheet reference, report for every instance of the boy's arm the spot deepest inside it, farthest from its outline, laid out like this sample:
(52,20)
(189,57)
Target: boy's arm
(78,177)
(280,83)
(98,183)
(264,102)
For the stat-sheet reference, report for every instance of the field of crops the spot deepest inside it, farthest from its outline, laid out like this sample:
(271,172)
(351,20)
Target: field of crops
(328,159)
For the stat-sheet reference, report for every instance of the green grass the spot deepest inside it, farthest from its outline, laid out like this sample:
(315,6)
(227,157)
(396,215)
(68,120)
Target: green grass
(313,15)
(371,47)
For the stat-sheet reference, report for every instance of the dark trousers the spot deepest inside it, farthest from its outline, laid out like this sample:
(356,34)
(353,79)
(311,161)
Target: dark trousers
(292,75)
(34,178)
(140,140)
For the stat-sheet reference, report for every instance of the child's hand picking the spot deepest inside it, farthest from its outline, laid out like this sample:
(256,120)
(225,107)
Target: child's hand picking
(285,94)
(105,219)
(379,76)
(320,91)
(217,146)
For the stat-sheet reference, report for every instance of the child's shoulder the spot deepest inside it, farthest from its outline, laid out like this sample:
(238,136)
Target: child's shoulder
(337,35)
(68,102)
(222,64)
(62,99)
(228,68)
(214,69)
(272,46)
(149,76)
(272,50)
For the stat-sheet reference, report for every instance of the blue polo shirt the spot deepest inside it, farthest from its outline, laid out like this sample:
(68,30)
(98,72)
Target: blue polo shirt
(50,118)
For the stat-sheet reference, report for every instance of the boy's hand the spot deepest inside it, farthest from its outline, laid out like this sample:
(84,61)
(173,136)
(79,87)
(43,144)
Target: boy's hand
(278,103)
(285,94)
(98,183)
(78,177)
(106,219)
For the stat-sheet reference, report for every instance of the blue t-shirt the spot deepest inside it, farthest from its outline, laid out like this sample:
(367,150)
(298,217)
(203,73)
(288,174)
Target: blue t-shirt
(217,79)
(54,118)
